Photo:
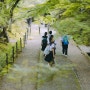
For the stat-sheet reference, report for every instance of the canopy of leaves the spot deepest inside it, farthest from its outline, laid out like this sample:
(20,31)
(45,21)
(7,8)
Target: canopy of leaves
(5,11)
(55,12)
(71,17)
(79,30)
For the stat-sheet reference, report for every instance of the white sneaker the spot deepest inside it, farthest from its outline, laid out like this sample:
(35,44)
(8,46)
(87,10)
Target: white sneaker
(65,55)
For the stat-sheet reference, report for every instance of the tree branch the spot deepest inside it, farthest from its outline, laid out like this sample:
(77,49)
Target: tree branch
(13,7)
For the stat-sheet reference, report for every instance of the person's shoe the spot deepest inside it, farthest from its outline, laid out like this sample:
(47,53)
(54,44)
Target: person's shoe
(51,63)
(48,64)
(65,55)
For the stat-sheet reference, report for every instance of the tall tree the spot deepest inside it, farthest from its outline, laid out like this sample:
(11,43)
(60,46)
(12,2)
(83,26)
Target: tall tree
(7,7)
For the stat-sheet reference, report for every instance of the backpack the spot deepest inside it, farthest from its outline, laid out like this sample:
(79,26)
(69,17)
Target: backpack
(44,41)
(65,41)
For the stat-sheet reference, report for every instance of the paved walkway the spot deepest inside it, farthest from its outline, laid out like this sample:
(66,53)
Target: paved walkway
(59,77)
(31,72)
(82,66)
(23,75)
(69,73)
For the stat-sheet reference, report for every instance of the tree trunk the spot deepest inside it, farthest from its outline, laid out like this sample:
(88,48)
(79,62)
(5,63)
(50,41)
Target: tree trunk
(11,15)
(12,9)
(5,35)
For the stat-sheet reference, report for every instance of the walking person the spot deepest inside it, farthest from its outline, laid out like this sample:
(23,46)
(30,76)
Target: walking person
(50,57)
(65,43)
(49,35)
(44,41)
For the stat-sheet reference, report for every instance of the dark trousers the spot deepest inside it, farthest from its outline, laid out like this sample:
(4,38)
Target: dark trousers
(65,49)
(43,47)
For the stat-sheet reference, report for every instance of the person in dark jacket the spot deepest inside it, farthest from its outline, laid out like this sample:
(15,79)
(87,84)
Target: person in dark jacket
(44,41)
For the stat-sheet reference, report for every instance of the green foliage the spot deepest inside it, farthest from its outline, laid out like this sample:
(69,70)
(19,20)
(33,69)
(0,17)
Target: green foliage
(4,16)
(5,11)
(78,26)
(71,10)
(2,60)
(9,50)
(57,9)
(3,51)
(79,31)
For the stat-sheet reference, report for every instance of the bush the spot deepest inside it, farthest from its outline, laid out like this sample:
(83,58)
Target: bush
(79,30)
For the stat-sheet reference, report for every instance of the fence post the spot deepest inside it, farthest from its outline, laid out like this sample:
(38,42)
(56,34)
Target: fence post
(27,33)
(13,53)
(30,29)
(39,29)
(21,44)
(16,48)
(25,36)
(24,40)
(7,61)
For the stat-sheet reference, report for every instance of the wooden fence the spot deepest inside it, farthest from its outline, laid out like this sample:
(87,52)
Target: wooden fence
(13,53)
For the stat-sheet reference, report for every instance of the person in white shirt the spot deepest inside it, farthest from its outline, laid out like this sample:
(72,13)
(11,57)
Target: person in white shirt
(52,50)
(50,57)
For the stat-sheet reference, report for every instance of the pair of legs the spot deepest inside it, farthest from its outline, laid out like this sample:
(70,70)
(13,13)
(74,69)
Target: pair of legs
(51,63)
(50,59)
(65,49)
(43,47)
